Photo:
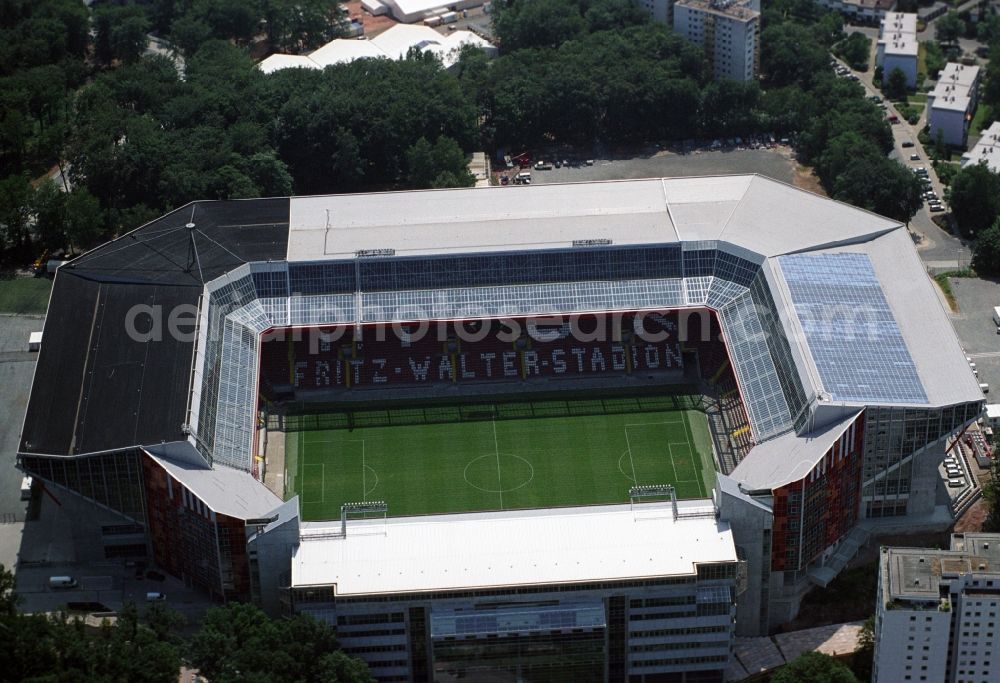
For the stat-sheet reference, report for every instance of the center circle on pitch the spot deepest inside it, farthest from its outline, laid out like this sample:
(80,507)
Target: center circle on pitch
(511,471)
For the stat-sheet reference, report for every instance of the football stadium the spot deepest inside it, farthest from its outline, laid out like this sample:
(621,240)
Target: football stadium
(592,430)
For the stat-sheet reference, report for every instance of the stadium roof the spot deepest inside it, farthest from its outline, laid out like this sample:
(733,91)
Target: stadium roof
(511,548)
(223,489)
(821,303)
(788,457)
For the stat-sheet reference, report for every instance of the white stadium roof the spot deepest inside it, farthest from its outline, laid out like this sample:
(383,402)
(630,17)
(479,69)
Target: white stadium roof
(511,548)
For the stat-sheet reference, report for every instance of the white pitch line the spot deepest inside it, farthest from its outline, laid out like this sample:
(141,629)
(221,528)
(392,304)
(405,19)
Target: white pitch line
(322,482)
(643,424)
(628,445)
(364,475)
(496,449)
(670,450)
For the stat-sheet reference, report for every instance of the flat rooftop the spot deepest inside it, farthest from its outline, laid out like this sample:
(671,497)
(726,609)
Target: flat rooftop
(528,547)
(955,87)
(900,44)
(899,22)
(986,150)
(916,573)
(723,8)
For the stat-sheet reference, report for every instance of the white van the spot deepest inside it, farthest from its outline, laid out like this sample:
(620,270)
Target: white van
(26,488)
(62,582)
(983,387)
(155,597)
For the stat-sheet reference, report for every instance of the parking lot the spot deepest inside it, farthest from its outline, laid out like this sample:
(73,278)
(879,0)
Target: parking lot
(774,163)
(976,330)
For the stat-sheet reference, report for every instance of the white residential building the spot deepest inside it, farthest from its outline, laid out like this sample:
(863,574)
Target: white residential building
(952,103)
(897,46)
(987,149)
(729,31)
(663,10)
(861,11)
(937,613)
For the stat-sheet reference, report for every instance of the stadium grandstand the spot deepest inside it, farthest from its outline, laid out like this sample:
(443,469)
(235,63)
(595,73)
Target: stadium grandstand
(596,429)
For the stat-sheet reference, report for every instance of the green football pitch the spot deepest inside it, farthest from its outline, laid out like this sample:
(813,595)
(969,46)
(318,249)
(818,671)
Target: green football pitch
(499,464)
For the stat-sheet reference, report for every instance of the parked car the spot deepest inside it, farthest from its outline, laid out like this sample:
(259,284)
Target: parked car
(907,143)
(936,208)
(914,157)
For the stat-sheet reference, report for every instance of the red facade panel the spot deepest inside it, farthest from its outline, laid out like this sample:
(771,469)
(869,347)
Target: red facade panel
(813,513)
(192,542)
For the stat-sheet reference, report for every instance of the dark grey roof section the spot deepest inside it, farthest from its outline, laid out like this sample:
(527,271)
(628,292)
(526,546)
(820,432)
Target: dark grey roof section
(97,387)
(192,245)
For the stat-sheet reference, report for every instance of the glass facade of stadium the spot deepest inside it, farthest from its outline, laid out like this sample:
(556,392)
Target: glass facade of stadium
(675,629)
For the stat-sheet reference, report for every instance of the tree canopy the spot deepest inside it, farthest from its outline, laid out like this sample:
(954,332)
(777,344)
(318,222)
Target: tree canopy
(238,643)
(986,253)
(235,643)
(813,667)
(974,196)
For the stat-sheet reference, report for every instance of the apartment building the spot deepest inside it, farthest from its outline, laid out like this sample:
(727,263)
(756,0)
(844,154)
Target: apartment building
(987,149)
(938,612)
(897,46)
(952,103)
(728,30)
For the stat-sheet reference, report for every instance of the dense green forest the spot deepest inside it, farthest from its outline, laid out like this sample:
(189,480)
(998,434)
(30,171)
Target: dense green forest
(137,138)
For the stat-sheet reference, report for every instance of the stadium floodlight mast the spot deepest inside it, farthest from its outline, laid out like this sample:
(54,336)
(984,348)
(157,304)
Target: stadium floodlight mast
(362,508)
(653,491)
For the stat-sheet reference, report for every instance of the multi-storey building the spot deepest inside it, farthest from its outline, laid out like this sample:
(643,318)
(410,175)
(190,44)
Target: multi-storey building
(938,613)
(728,30)
(897,46)
(599,593)
(861,11)
(986,150)
(952,104)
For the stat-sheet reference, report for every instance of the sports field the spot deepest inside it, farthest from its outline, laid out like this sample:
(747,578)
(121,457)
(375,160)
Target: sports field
(499,464)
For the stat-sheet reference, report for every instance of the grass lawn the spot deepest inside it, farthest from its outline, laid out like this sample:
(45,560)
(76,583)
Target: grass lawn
(982,119)
(24,295)
(499,464)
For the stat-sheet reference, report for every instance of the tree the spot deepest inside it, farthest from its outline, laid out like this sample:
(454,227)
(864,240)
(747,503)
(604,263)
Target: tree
(15,210)
(440,165)
(813,667)
(934,58)
(238,642)
(523,24)
(986,252)
(881,185)
(302,25)
(854,50)
(861,663)
(895,84)
(121,33)
(975,198)
(85,221)
(949,28)
(8,598)
(188,33)
(49,206)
